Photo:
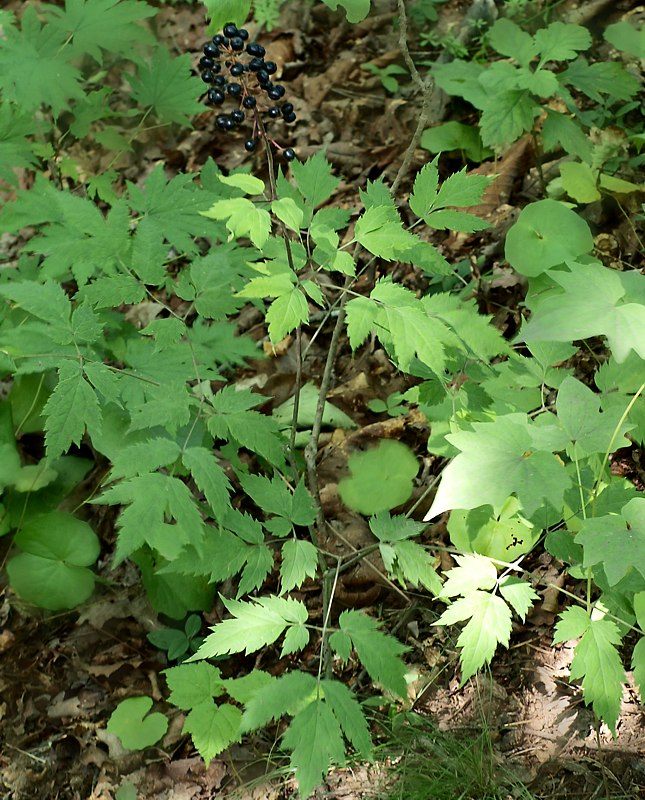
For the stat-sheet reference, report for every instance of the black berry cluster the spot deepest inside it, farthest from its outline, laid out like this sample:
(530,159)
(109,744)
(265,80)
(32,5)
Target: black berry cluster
(236,70)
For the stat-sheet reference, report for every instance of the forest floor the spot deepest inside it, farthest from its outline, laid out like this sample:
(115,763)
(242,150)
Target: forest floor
(62,674)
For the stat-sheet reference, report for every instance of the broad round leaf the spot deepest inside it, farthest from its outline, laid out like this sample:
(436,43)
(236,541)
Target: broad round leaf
(133,725)
(546,234)
(49,584)
(381,478)
(60,537)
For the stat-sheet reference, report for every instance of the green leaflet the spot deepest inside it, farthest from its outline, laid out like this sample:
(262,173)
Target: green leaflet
(378,652)
(253,625)
(596,661)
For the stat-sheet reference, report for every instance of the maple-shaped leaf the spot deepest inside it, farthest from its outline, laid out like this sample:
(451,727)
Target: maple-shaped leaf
(16,128)
(596,660)
(149,499)
(355,10)
(170,208)
(253,625)
(378,652)
(91,26)
(81,240)
(213,728)
(606,308)
(212,281)
(314,179)
(589,430)
(71,408)
(499,459)
(35,70)
(617,541)
(394,529)
(192,684)
(489,625)
(560,130)
(166,87)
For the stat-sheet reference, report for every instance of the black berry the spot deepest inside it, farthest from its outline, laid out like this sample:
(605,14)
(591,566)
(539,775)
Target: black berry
(237,115)
(208,76)
(274,94)
(279,89)
(211,50)
(249,145)
(237,43)
(237,70)
(256,64)
(215,96)
(255,49)
(228,124)
(274,113)
(219,80)
(290,117)
(249,102)
(271,67)
(220,121)
(205,62)
(219,39)
(263,75)
(287,108)
(289,154)
(243,34)
(230,29)
(234,89)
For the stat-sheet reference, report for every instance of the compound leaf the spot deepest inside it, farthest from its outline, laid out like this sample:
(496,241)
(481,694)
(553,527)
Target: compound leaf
(378,652)
(166,87)
(617,541)
(97,25)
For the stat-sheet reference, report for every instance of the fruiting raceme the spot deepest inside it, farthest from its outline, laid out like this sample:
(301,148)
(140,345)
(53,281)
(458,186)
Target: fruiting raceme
(235,68)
